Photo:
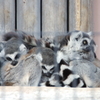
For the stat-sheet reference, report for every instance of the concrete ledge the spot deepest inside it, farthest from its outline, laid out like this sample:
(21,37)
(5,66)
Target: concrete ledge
(48,93)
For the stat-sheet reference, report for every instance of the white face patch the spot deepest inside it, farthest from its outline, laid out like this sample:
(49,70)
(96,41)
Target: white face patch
(12,56)
(39,57)
(48,68)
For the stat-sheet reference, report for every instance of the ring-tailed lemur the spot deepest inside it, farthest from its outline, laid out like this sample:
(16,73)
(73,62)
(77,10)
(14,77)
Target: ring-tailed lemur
(76,45)
(22,74)
(61,80)
(19,66)
(48,62)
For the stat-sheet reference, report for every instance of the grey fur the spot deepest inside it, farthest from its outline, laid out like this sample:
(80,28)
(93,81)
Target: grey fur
(48,62)
(87,71)
(23,74)
(16,70)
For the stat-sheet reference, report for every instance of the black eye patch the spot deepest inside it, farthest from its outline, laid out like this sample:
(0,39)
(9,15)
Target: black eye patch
(43,67)
(8,58)
(52,69)
(76,39)
(17,56)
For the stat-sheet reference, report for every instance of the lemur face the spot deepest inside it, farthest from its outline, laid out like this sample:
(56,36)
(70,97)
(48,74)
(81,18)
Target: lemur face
(47,70)
(78,41)
(77,45)
(13,58)
(82,42)
(13,55)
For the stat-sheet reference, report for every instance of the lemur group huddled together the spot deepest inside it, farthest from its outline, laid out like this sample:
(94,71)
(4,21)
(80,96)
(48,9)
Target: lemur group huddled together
(63,61)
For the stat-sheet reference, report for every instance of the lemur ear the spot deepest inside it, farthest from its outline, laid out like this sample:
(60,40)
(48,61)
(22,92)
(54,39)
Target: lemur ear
(76,35)
(23,49)
(90,34)
(79,34)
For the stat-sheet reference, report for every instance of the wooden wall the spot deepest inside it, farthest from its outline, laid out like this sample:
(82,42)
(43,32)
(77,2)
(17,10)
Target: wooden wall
(45,17)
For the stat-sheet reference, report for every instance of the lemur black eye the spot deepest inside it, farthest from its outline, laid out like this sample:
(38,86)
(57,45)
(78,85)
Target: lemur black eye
(43,67)
(76,39)
(52,69)
(8,58)
(85,42)
(17,56)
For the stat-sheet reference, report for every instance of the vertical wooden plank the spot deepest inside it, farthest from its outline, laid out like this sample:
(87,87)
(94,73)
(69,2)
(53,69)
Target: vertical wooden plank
(2,28)
(80,15)
(74,15)
(54,17)
(86,15)
(7,15)
(28,16)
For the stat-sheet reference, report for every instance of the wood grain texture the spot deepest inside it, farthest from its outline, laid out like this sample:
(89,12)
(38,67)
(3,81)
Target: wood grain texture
(54,17)
(28,16)
(80,15)
(74,15)
(7,16)
(86,16)
(48,93)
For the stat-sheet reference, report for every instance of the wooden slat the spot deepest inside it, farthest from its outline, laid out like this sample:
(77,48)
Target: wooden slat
(7,15)
(54,17)
(72,15)
(80,15)
(86,15)
(28,16)
(48,93)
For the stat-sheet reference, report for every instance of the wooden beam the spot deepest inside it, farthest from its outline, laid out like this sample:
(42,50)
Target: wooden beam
(7,16)
(49,93)
(28,16)
(54,17)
